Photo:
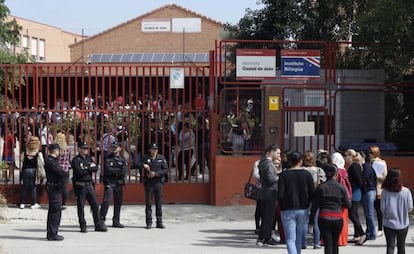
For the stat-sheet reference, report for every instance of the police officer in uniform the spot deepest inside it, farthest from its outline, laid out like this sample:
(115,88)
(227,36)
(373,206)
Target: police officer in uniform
(83,166)
(55,183)
(114,180)
(155,171)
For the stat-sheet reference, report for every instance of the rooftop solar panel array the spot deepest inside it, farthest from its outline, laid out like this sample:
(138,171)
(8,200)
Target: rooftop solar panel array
(149,58)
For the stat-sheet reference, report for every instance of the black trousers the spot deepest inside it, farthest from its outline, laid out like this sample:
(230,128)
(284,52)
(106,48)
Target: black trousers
(258,214)
(116,191)
(395,234)
(330,231)
(184,160)
(377,206)
(153,190)
(88,193)
(54,212)
(354,217)
(269,216)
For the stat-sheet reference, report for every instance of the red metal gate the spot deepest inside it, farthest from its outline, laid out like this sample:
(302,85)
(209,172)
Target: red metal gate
(135,103)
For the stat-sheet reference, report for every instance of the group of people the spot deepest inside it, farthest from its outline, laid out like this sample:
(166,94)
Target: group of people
(302,193)
(37,167)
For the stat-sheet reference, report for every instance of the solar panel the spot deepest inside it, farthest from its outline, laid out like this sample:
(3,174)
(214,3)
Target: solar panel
(116,58)
(149,58)
(136,58)
(127,57)
(95,58)
(178,58)
(106,58)
(200,57)
(168,57)
(158,58)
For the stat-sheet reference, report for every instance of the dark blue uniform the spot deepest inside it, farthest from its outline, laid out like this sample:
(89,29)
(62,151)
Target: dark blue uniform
(153,187)
(55,181)
(114,180)
(84,190)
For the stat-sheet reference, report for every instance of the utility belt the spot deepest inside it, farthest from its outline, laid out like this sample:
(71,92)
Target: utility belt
(54,185)
(84,184)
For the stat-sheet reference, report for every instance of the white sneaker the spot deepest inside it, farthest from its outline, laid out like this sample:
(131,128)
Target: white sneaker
(275,237)
(21,206)
(380,233)
(35,206)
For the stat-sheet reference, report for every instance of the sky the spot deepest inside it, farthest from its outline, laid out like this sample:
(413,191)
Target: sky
(95,16)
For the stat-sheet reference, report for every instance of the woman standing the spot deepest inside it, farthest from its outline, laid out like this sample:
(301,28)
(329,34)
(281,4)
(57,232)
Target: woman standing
(353,159)
(396,202)
(342,178)
(330,198)
(295,193)
(380,167)
(64,162)
(319,177)
(186,141)
(32,169)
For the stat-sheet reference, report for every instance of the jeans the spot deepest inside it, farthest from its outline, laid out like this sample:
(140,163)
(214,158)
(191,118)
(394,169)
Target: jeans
(29,185)
(368,203)
(391,235)
(316,231)
(293,223)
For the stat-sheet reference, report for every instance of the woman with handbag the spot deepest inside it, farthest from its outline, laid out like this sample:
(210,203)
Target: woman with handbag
(32,170)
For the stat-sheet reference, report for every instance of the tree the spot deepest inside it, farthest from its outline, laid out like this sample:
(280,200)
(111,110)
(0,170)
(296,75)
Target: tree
(9,30)
(9,35)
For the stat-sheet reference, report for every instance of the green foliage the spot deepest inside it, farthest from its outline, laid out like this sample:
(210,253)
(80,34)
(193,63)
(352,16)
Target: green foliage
(9,30)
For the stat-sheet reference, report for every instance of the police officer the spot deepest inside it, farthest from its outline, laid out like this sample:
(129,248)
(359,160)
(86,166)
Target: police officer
(114,180)
(155,171)
(55,181)
(83,166)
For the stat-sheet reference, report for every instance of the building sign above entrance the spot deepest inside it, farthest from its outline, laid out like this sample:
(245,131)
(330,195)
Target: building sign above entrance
(300,64)
(255,64)
(155,25)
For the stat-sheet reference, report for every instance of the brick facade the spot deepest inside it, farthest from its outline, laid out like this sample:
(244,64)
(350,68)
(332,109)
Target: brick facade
(128,37)
(56,41)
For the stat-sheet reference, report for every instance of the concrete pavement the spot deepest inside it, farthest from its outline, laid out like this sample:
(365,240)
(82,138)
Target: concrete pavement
(190,229)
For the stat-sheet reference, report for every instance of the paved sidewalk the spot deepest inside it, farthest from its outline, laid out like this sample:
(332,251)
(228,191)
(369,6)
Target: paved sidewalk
(190,229)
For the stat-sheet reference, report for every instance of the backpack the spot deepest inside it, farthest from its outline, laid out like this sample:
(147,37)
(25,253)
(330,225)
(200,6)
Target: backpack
(344,181)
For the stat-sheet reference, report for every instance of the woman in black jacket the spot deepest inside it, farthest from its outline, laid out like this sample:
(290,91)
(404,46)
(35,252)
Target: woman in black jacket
(330,198)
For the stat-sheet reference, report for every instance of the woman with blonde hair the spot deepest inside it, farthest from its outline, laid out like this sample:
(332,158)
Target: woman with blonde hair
(32,170)
(380,167)
(354,162)
(64,162)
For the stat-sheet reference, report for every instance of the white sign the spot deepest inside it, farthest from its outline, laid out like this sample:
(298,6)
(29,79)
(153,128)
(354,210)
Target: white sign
(304,129)
(255,64)
(155,25)
(186,25)
(177,78)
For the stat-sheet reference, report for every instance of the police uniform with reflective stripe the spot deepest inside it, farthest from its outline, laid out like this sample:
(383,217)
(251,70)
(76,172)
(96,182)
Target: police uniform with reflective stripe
(153,186)
(84,189)
(114,180)
(55,180)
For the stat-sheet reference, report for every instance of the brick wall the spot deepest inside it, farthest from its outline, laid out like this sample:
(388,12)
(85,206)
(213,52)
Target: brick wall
(128,38)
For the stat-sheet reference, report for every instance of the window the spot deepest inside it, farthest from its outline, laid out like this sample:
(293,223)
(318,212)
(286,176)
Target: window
(34,47)
(42,43)
(25,41)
